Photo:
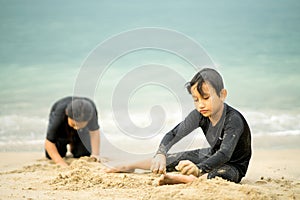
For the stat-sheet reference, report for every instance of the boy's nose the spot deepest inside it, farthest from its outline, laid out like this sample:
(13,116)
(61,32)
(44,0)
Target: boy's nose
(200,104)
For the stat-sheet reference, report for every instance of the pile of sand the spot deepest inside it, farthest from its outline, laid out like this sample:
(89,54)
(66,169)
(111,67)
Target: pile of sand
(84,173)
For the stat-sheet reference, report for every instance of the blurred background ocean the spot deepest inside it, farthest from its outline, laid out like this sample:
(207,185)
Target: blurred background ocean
(43,44)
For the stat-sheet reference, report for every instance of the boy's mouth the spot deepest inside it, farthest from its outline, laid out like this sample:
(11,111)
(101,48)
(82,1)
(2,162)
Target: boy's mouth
(203,111)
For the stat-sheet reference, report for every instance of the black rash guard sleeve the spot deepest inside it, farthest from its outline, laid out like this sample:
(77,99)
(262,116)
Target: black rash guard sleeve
(56,119)
(190,123)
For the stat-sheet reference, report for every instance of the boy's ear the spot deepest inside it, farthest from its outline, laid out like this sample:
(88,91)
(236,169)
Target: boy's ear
(223,94)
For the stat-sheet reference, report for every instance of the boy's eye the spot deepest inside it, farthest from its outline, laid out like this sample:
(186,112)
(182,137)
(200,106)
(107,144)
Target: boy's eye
(205,98)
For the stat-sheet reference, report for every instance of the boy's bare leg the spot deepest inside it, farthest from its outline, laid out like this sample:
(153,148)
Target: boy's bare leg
(168,178)
(145,164)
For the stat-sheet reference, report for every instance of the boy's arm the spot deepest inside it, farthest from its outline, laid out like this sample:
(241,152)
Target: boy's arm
(53,153)
(55,120)
(95,143)
(190,123)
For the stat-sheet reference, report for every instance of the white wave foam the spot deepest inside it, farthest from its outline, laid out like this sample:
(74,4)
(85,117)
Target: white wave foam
(30,130)
(262,123)
(19,128)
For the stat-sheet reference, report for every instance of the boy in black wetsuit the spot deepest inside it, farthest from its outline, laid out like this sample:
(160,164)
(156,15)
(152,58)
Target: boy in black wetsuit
(225,129)
(73,121)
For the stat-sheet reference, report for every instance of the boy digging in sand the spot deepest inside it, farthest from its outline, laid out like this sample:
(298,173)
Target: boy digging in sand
(225,129)
(73,121)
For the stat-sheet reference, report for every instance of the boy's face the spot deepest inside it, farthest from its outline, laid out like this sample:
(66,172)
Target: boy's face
(210,103)
(76,125)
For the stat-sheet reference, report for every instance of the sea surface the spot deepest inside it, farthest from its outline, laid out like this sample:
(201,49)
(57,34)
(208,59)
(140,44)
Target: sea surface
(133,59)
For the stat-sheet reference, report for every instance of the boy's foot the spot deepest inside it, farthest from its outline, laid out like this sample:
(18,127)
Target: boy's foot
(168,179)
(118,169)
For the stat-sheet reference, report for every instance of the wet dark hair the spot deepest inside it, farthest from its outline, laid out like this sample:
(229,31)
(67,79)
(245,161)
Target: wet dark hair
(80,110)
(208,75)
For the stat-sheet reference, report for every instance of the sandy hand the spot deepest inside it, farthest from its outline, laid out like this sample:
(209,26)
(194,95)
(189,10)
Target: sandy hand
(158,165)
(187,167)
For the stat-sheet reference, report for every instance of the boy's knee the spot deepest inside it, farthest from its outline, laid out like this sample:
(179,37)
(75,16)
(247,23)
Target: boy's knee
(227,173)
(78,154)
(79,151)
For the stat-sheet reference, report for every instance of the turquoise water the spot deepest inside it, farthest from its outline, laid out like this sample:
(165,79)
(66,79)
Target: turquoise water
(254,44)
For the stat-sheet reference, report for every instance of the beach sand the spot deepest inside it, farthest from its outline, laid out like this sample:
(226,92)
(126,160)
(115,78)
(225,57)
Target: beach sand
(272,174)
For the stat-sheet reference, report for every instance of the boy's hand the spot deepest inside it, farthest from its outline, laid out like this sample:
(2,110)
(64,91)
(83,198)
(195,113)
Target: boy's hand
(158,165)
(95,157)
(62,163)
(187,167)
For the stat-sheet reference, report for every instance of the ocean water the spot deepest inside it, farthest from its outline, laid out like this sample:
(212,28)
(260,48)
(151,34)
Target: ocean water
(139,91)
